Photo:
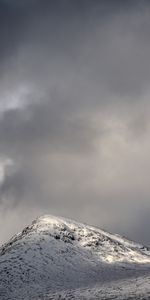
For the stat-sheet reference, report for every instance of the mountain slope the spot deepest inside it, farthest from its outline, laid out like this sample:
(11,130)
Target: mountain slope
(55,254)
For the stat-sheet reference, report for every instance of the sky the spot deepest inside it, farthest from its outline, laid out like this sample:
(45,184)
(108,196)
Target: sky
(74,114)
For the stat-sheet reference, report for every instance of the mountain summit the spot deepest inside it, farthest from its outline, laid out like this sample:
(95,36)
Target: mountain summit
(55,255)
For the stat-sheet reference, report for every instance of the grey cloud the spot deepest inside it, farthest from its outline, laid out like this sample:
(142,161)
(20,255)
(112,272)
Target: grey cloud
(94,40)
(12,189)
(142,226)
(50,124)
(83,119)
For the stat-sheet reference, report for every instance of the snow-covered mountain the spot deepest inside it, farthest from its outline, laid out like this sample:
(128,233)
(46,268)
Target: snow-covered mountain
(56,258)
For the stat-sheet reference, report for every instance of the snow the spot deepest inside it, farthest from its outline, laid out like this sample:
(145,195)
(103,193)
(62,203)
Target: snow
(128,289)
(56,257)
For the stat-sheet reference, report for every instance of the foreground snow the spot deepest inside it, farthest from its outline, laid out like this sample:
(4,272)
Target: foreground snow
(56,258)
(127,289)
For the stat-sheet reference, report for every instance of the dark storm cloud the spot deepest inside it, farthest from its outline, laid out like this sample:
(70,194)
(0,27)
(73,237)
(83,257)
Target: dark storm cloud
(97,38)
(74,95)
(13,24)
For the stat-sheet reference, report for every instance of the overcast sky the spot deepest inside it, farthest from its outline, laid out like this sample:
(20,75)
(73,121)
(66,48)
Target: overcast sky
(74,113)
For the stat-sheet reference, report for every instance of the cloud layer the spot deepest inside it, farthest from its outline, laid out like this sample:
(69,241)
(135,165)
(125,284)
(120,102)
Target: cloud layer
(74,113)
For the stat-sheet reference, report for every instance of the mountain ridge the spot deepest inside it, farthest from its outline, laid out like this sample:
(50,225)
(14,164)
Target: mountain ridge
(56,254)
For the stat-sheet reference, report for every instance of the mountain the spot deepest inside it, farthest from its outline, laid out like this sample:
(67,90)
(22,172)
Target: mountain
(57,258)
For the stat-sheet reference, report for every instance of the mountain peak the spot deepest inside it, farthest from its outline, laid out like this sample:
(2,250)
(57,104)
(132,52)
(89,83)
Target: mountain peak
(55,252)
(51,221)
